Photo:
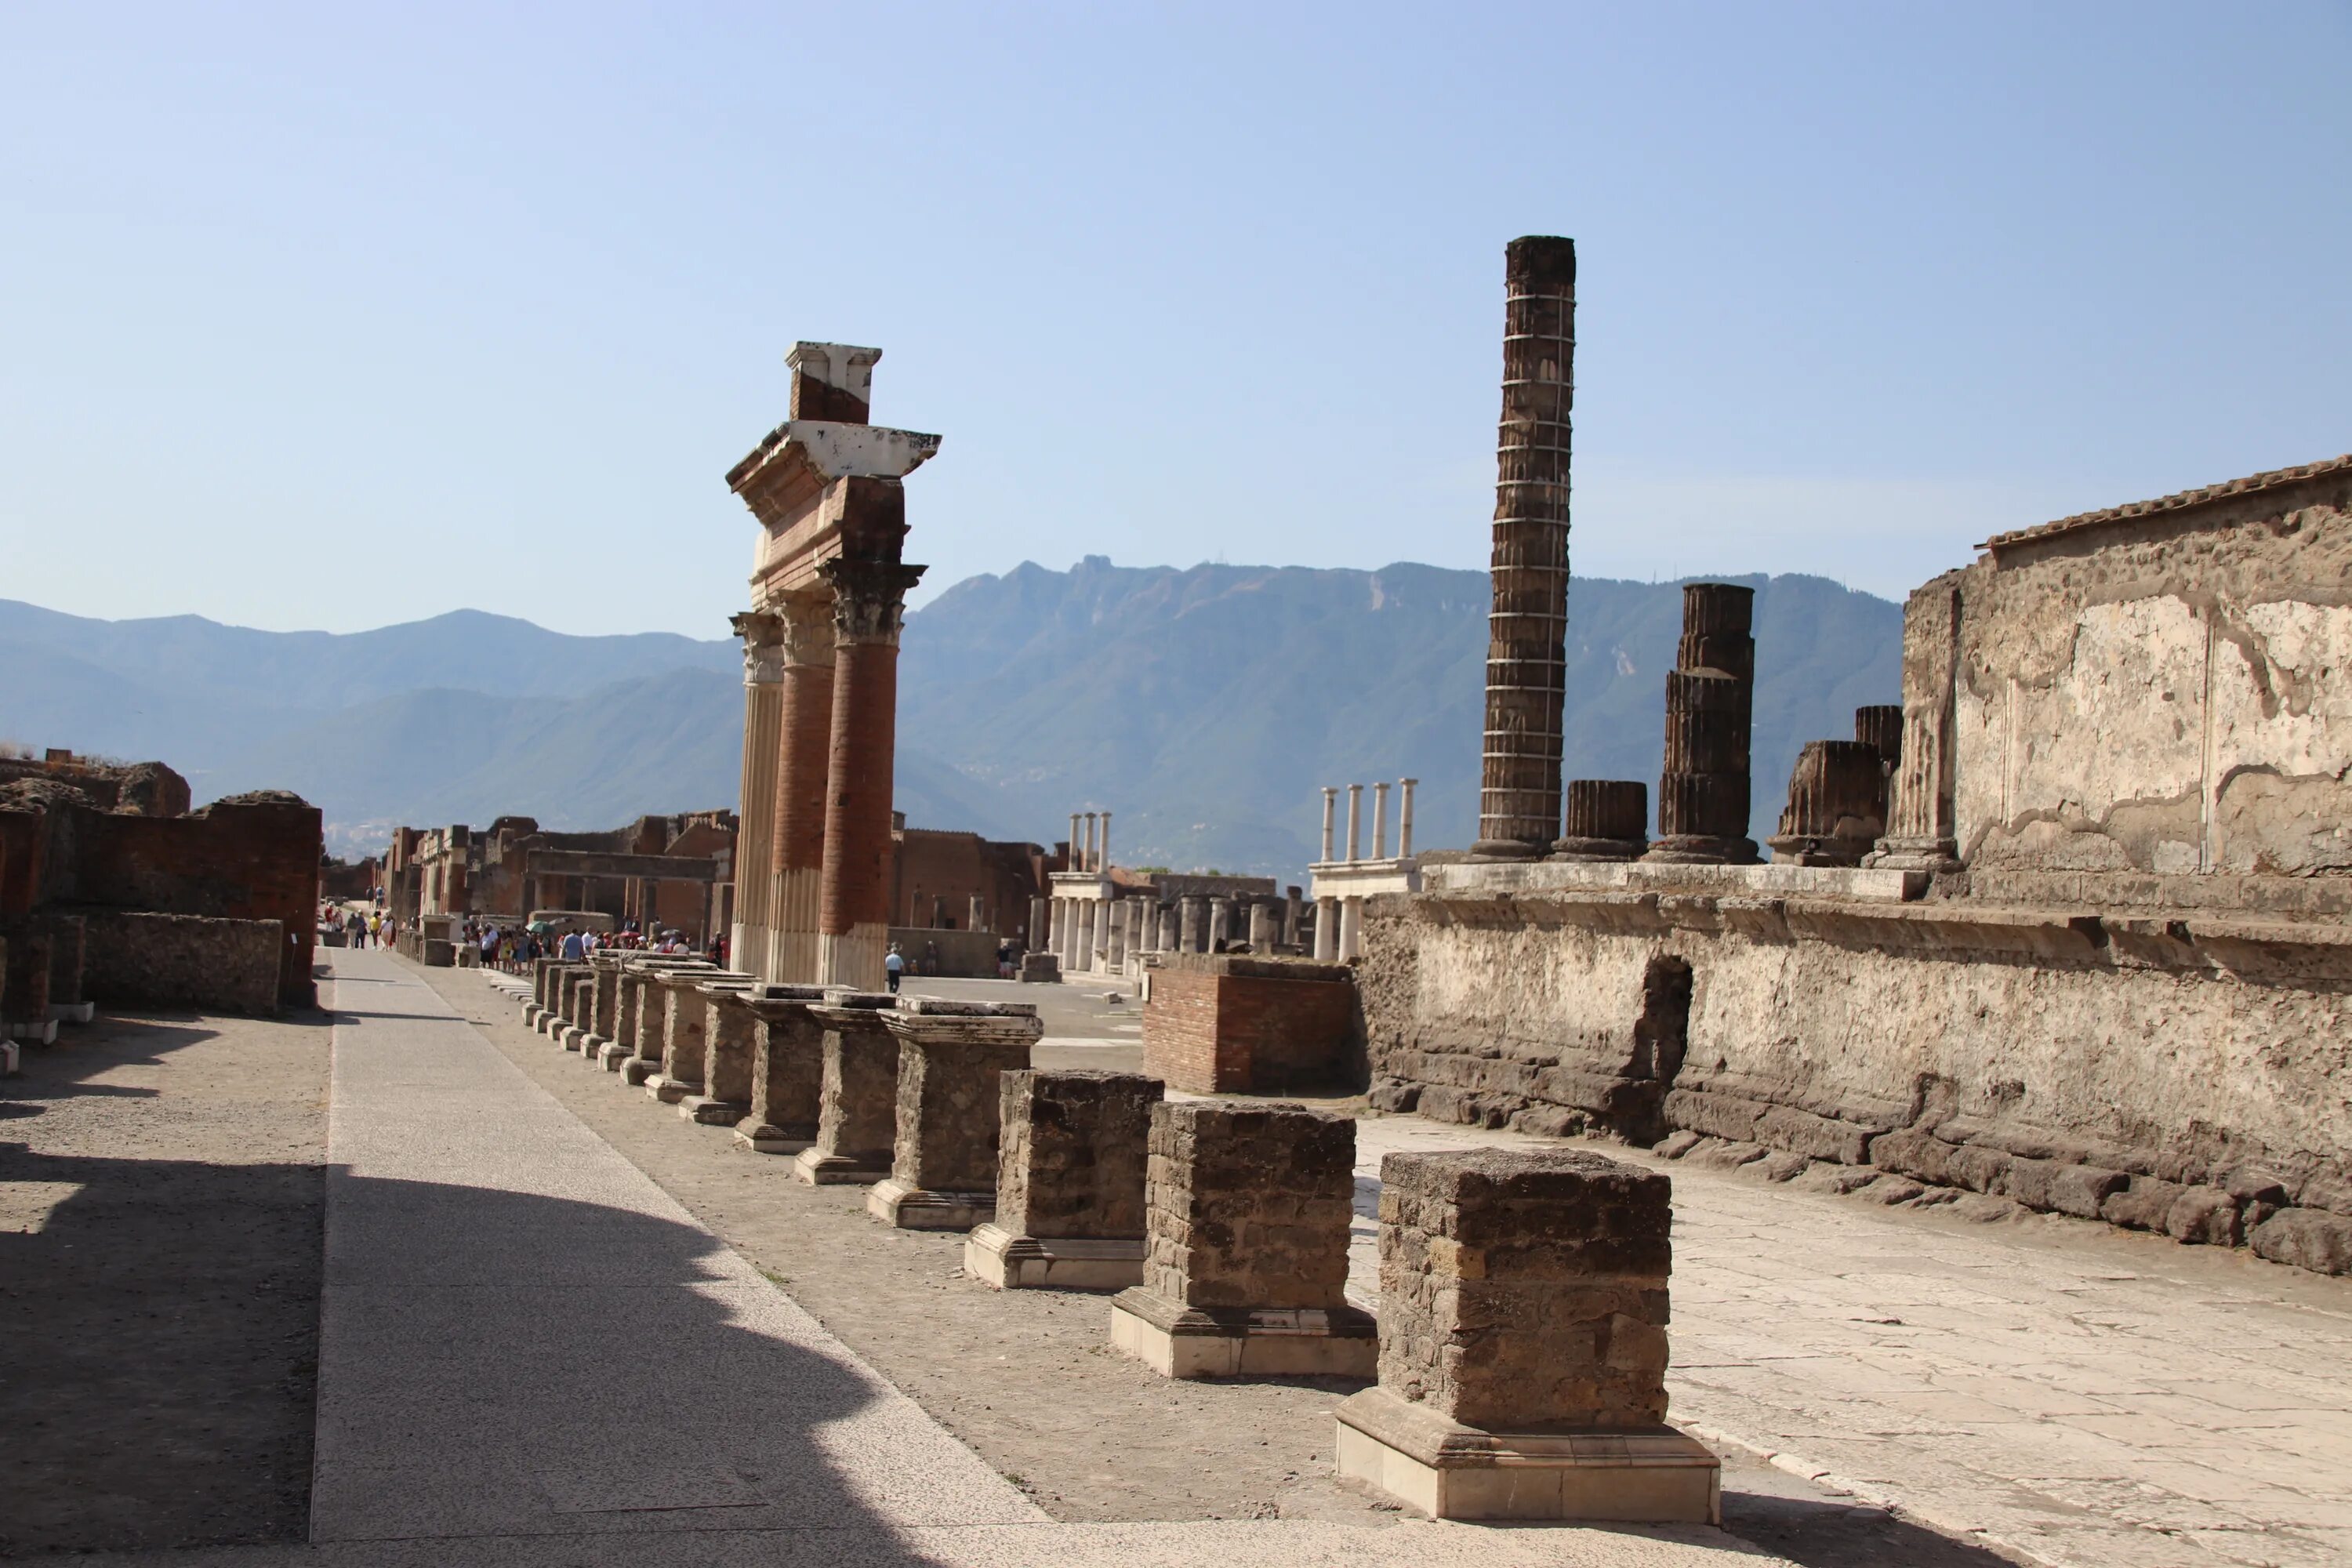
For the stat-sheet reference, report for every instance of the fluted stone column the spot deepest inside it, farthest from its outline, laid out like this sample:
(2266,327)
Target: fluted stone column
(1093,862)
(1355,823)
(1327,930)
(853,901)
(1098,947)
(764,714)
(1192,917)
(1527,656)
(804,761)
(1923,834)
(1381,820)
(1607,819)
(1837,793)
(1405,817)
(1703,797)
(1330,810)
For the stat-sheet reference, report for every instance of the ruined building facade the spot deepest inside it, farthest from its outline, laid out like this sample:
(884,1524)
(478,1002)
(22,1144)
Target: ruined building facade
(2092,961)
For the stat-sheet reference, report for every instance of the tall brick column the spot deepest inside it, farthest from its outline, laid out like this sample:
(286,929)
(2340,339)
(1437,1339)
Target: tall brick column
(853,900)
(1523,1345)
(1527,651)
(805,761)
(763,723)
(1703,794)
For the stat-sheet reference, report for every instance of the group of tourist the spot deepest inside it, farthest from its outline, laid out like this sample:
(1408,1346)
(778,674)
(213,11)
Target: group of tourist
(362,927)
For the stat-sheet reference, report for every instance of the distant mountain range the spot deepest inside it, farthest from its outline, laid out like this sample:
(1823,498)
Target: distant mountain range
(1204,707)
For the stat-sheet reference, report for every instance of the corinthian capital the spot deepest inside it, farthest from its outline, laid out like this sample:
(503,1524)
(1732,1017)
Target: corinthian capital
(762,635)
(869,599)
(807,621)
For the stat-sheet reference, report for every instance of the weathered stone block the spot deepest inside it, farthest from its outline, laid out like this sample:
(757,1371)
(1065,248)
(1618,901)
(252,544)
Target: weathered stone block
(945,1137)
(787,1070)
(1247,1216)
(1525,1289)
(728,1025)
(1069,1181)
(1523,1345)
(857,1092)
(2307,1238)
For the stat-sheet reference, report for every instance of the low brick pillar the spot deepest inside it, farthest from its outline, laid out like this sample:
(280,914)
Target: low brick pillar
(944,1132)
(857,1091)
(1239,1024)
(1246,1211)
(787,1069)
(1523,1345)
(1071,1152)
(729,1026)
(604,1001)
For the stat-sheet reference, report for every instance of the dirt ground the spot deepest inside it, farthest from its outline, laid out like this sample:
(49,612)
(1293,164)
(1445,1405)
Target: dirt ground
(161,1190)
(1028,1378)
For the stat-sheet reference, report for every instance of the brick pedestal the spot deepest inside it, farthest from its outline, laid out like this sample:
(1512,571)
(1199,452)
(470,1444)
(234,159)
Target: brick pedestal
(857,1094)
(1523,1345)
(943,1157)
(726,1033)
(1072,1147)
(1247,1215)
(787,1069)
(1236,1024)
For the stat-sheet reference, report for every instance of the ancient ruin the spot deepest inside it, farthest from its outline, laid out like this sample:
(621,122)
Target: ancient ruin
(1523,1345)
(1246,1261)
(2081,968)
(1070,1180)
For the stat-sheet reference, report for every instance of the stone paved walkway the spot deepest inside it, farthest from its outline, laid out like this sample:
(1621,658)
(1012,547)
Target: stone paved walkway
(531,1354)
(2056,1390)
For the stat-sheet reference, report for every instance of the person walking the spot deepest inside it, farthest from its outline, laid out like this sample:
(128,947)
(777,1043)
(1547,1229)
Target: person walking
(894,965)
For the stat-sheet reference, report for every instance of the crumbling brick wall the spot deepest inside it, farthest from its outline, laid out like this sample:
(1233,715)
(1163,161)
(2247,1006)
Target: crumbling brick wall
(183,961)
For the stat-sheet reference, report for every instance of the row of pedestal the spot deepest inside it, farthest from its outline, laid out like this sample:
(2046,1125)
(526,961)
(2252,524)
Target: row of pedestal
(1521,1351)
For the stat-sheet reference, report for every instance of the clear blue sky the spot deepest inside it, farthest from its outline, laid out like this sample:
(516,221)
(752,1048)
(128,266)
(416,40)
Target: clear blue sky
(322,318)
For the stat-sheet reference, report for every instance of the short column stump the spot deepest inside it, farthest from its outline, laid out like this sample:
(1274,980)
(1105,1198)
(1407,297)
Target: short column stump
(997,1257)
(857,1100)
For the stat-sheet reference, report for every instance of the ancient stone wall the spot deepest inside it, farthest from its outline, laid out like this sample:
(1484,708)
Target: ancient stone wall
(2165,689)
(181,961)
(1248,1206)
(2186,1075)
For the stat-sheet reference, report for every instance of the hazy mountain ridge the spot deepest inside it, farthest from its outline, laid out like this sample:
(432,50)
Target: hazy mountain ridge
(1205,707)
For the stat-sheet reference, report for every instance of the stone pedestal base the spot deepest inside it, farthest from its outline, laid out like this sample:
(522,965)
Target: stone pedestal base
(910,1207)
(670,1090)
(531,1014)
(767,1138)
(636,1071)
(572,1036)
(837,1169)
(1805,849)
(1701,849)
(72,1011)
(1915,855)
(615,1056)
(1504,849)
(1596,849)
(997,1257)
(1177,1341)
(712,1112)
(9,1056)
(1638,1475)
(44,1033)
(592,1048)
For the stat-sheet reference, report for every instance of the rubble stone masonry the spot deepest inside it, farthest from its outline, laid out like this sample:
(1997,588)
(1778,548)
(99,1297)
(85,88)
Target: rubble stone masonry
(1249,1205)
(1073,1153)
(1520,1291)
